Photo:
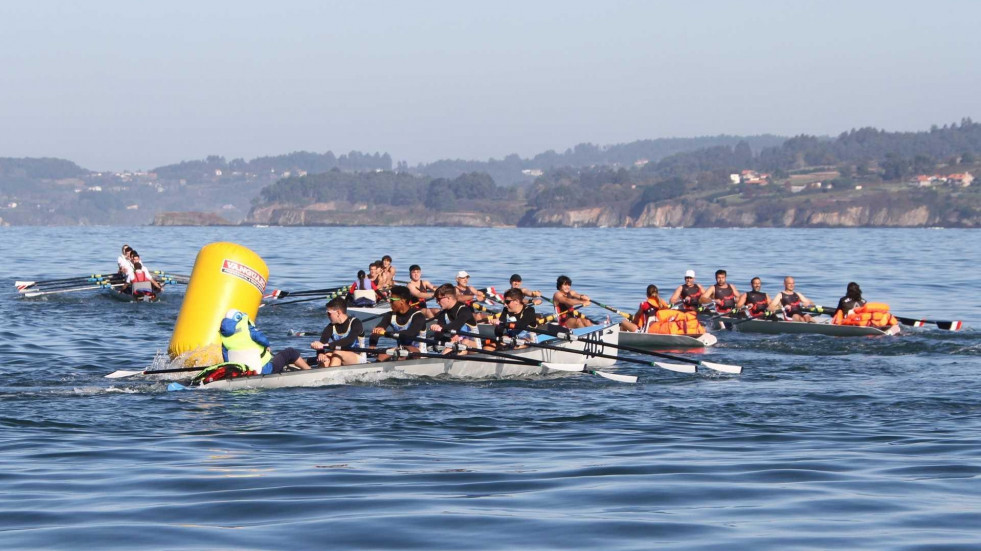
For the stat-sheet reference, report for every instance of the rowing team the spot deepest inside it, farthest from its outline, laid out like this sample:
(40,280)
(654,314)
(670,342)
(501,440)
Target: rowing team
(138,278)
(342,341)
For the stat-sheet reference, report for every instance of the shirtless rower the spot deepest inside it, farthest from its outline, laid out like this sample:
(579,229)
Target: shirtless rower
(404,319)
(342,334)
(645,311)
(516,318)
(791,302)
(421,290)
(723,294)
(565,299)
(688,293)
(755,302)
(455,316)
(386,275)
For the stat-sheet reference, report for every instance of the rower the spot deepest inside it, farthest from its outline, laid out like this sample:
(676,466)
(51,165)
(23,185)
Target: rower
(535,296)
(124,262)
(337,339)
(363,292)
(468,294)
(688,293)
(851,300)
(386,274)
(756,303)
(409,322)
(140,281)
(724,295)
(455,316)
(243,343)
(515,319)
(421,290)
(645,312)
(791,302)
(565,299)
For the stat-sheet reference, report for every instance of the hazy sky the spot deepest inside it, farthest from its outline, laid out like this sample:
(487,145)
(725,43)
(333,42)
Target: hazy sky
(113,85)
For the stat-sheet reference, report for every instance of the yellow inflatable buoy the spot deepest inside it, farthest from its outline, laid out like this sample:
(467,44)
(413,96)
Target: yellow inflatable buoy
(225,276)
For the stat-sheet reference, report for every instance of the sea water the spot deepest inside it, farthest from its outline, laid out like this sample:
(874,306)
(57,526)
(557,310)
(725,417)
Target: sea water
(821,443)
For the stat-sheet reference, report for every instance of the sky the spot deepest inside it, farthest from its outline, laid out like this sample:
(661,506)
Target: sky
(115,85)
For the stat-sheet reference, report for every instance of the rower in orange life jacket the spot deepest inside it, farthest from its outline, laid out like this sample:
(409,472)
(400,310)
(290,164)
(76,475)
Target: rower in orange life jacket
(756,303)
(854,310)
(791,303)
(645,312)
(689,293)
(724,294)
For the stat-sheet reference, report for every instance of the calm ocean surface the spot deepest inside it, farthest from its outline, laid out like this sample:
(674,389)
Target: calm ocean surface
(822,443)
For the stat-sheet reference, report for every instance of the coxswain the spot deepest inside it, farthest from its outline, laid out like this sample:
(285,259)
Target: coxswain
(688,294)
(421,290)
(791,303)
(407,321)
(565,300)
(455,316)
(645,312)
(140,281)
(363,292)
(337,339)
(533,296)
(852,299)
(514,321)
(723,295)
(755,303)
(243,343)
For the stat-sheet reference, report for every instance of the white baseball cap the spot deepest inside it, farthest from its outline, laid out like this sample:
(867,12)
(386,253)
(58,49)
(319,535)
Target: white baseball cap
(462,274)
(690,273)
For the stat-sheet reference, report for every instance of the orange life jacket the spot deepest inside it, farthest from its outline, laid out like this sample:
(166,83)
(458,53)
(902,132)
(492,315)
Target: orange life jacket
(674,322)
(870,314)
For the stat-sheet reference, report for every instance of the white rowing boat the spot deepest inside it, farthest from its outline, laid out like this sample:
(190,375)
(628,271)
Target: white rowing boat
(779,327)
(486,367)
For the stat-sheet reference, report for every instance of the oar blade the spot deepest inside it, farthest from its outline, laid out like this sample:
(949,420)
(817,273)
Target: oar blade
(723,368)
(949,325)
(615,376)
(678,368)
(123,373)
(576,368)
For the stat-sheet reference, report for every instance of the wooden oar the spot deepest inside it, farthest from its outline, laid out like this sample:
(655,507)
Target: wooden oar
(557,366)
(724,368)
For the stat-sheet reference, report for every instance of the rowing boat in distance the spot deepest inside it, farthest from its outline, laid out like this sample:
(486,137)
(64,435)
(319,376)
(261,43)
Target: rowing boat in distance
(780,327)
(481,367)
(115,293)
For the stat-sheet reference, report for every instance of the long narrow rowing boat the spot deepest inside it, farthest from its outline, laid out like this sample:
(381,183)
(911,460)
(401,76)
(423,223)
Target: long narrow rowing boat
(484,368)
(654,341)
(775,327)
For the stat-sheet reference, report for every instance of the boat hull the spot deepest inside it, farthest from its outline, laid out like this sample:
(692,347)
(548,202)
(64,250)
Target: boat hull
(771,327)
(464,369)
(126,297)
(654,341)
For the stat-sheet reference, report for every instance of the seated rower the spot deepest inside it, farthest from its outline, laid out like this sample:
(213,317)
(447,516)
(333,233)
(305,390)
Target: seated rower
(854,310)
(421,290)
(455,316)
(363,292)
(851,300)
(343,333)
(124,262)
(534,296)
(645,313)
(140,282)
(386,273)
(467,294)
(688,294)
(515,319)
(756,303)
(565,300)
(407,321)
(791,303)
(724,295)
(243,344)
